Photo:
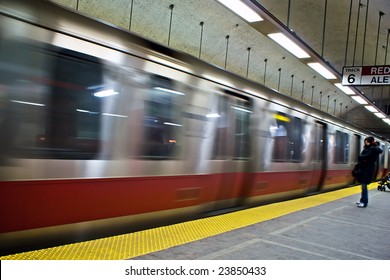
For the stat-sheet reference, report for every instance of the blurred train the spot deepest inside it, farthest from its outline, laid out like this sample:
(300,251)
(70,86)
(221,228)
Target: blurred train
(102,129)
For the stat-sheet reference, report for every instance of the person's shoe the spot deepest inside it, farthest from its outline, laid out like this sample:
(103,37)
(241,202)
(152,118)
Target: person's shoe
(361,205)
(358,202)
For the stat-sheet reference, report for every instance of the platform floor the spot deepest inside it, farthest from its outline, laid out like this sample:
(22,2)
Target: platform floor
(337,230)
(320,227)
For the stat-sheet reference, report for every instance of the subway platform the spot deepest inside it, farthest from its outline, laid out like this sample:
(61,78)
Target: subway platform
(336,230)
(326,226)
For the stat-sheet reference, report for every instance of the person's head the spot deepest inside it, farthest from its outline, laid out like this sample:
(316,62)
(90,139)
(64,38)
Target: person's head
(369,140)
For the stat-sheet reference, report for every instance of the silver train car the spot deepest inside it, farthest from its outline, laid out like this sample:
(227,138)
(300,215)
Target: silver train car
(102,129)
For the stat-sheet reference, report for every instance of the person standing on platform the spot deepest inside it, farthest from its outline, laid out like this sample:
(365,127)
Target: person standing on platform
(367,159)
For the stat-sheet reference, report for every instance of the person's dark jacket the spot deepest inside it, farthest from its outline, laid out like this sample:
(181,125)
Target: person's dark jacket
(367,159)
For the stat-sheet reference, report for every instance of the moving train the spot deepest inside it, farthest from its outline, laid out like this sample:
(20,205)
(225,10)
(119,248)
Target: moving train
(102,129)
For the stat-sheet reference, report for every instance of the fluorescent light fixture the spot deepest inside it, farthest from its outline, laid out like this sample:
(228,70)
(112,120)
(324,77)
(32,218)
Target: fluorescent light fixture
(28,103)
(289,45)
(386,121)
(346,90)
(213,115)
(86,111)
(105,93)
(371,109)
(172,124)
(241,9)
(359,100)
(114,115)
(82,111)
(380,115)
(241,109)
(169,90)
(322,70)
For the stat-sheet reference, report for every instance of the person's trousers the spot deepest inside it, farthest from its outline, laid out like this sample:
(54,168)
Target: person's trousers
(364,198)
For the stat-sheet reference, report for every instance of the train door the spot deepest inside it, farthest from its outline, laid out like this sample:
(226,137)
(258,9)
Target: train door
(319,159)
(230,148)
(387,157)
(380,165)
(358,149)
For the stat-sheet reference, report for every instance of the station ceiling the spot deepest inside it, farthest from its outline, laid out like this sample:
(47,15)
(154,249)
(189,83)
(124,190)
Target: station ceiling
(336,33)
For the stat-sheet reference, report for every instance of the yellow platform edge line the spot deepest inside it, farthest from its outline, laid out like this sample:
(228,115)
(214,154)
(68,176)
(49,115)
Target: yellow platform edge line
(131,245)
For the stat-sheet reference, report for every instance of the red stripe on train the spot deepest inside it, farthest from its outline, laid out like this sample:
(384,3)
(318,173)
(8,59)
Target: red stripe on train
(35,204)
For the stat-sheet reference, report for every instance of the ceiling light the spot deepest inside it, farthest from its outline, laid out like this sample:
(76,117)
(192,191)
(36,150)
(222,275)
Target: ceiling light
(114,115)
(359,100)
(322,70)
(386,121)
(105,93)
(346,90)
(289,45)
(169,90)
(213,115)
(380,115)
(371,109)
(87,111)
(172,124)
(241,9)
(241,109)
(28,103)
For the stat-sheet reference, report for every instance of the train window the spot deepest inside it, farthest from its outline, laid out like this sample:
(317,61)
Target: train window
(381,156)
(232,139)
(387,156)
(287,136)
(195,118)
(242,111)
(162,121)
(73,114)
(220,147)
(53,111)
(342,148)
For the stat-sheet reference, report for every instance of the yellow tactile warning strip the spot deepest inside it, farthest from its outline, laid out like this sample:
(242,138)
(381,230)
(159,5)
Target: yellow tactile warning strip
(143,242)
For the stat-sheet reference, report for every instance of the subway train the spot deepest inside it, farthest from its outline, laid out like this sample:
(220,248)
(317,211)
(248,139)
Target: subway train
(104,130)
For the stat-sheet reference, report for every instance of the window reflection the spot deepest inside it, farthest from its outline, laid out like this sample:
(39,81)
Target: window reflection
(287,133)
(162,120)
(341,148)
(51,112)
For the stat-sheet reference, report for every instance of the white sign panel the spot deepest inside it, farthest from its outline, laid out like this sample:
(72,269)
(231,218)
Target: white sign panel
(366,75)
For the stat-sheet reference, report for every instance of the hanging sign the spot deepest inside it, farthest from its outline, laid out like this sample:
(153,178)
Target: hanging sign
(366,75)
